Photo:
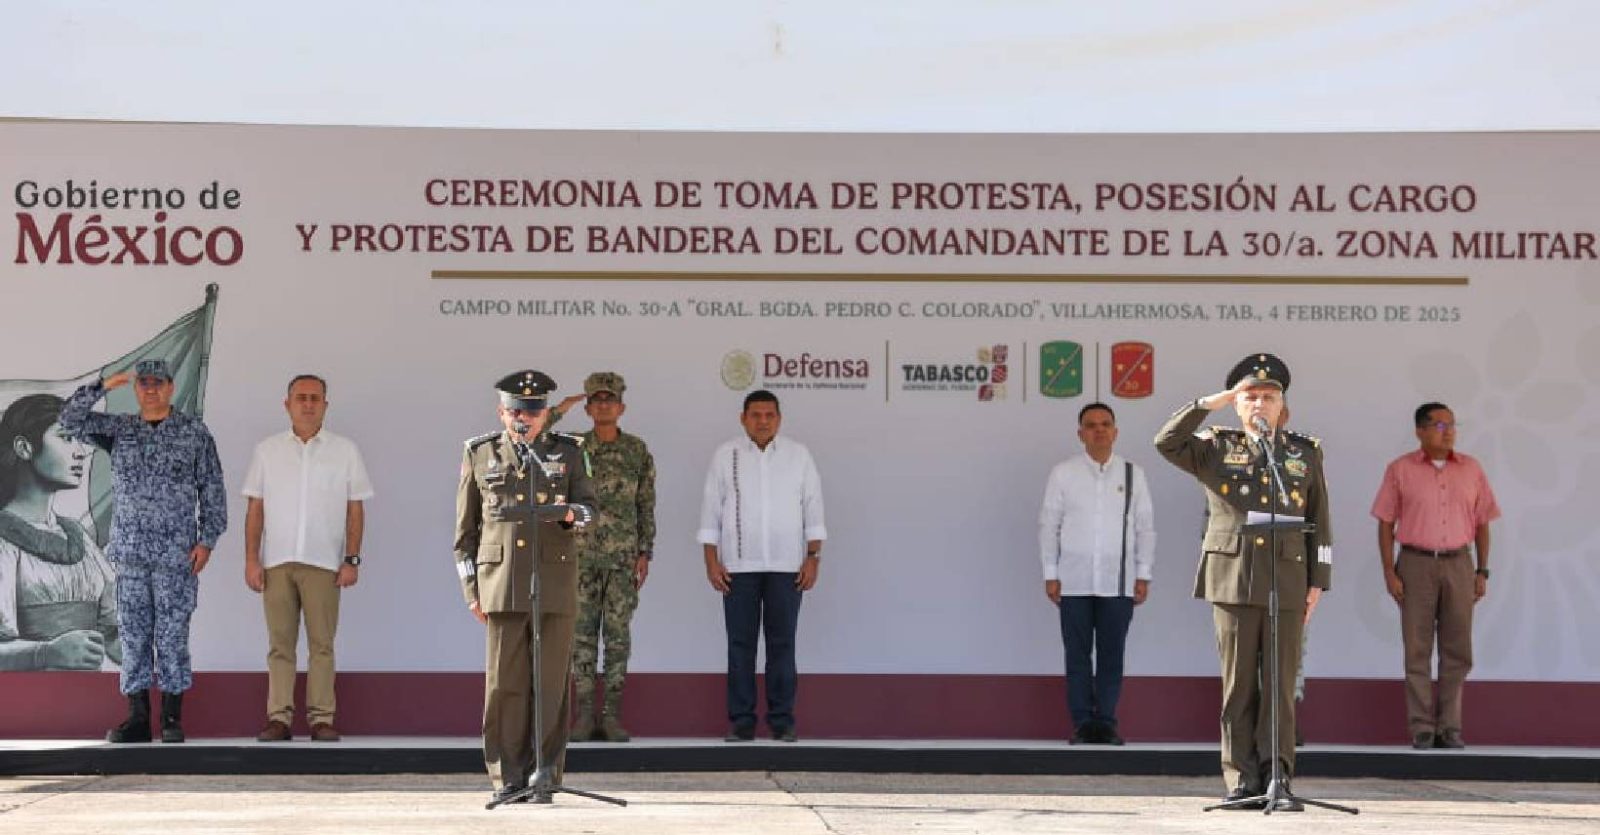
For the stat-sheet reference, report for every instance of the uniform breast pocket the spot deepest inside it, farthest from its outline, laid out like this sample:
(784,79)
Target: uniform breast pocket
(1222,543)
(490,553)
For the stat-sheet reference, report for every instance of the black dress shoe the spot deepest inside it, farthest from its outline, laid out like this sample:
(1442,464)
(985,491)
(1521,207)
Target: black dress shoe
(1241,793)
(506,791)
(544,797)
(784,734)
(1423,740)
(740,733)
(1108,734)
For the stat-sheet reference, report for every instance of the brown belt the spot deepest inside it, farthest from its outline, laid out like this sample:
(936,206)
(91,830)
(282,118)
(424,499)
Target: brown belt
(1450,552)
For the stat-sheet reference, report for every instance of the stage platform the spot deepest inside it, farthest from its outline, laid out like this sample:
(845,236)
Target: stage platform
(450,755)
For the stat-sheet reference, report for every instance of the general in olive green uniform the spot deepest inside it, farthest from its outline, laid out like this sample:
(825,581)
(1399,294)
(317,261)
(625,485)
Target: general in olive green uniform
(510,523)
(1235,575)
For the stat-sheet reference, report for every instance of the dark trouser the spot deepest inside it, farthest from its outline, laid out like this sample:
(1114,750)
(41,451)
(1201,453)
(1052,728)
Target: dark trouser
(769,602)
(1244,644)
(509,690)
(1440,594)
(1100,625)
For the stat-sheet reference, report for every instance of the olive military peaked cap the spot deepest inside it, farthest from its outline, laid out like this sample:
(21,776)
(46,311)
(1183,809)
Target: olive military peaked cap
(1264,369)
(525,390)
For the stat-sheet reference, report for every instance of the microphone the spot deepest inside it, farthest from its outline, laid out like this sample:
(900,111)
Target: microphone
(1261,427)
(519,427)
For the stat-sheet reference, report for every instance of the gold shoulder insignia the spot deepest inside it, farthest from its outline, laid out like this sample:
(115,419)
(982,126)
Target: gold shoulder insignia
(480,440)
(1304,438)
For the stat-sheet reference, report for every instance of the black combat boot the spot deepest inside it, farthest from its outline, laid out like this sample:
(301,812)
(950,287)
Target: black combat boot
(171,717)
(137,726)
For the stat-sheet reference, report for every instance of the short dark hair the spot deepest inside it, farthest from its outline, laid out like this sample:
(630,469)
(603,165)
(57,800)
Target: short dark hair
(1426,410)
(761,396)
(28,418)
(1096,405)
(302,377)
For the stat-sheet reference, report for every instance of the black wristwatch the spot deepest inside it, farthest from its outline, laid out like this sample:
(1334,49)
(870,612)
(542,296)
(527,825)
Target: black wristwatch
(1483,572)
(352,559)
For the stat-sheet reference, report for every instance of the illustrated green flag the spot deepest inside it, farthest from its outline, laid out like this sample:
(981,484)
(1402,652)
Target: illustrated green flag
(186,346)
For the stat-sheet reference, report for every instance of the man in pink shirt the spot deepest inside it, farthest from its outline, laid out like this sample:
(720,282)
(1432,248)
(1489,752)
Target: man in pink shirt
(1437,505)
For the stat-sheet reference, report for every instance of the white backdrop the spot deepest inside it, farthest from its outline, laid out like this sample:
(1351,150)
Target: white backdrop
(932,497)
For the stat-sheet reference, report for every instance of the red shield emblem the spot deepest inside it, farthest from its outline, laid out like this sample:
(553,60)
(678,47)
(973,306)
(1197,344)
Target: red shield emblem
(999,374)
(1133,369)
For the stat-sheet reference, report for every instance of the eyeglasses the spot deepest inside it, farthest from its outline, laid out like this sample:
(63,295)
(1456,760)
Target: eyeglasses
(1441,426)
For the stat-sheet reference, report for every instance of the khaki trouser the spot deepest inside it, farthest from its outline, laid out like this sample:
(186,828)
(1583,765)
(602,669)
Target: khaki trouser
(1243,635)
(507,702)
(1439,595)
(293,590)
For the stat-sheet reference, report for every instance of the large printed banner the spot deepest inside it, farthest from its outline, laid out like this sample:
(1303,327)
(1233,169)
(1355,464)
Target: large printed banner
(932,310)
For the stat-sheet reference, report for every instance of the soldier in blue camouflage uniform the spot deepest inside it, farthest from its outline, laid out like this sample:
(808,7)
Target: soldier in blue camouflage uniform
(170,509)
(614,557)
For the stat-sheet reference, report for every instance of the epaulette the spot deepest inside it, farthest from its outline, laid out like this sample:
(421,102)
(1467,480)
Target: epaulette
(474,443)
(1301,436)
(575,440)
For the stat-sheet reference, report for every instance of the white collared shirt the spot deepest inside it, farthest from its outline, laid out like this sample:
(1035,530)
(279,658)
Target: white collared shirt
(762,506)
(305,488)
(1081,528)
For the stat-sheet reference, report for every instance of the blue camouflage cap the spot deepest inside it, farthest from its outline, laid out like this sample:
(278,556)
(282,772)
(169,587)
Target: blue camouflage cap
(153,368)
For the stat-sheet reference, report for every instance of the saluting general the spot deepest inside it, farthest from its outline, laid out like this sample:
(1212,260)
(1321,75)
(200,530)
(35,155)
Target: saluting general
(1235,572)
(523,491)
(171,509)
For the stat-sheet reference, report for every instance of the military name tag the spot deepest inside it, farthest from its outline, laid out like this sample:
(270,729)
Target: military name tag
(1295,467)
(1237,457)
(555,469)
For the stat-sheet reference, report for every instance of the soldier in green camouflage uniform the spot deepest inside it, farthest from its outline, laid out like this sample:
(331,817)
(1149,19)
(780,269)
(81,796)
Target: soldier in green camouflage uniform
(614,556)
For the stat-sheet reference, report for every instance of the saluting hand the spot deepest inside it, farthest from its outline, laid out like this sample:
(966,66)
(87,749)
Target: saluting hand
(118,380)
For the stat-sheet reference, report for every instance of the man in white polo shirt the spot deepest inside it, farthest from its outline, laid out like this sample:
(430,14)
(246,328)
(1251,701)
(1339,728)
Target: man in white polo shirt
(761,525)
(302,535)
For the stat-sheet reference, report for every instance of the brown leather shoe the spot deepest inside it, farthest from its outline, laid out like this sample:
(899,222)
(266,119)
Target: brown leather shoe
(275,731)
(324,732)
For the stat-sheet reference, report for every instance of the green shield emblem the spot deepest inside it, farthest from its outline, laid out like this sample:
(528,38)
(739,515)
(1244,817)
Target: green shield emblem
(1061,369)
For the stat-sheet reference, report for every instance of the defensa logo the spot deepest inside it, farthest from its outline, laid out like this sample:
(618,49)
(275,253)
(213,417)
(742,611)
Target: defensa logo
(983,376)
(777,370)
(91,224)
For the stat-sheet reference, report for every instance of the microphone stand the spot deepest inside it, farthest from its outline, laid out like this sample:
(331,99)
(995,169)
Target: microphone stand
(1277,791)
(543,783)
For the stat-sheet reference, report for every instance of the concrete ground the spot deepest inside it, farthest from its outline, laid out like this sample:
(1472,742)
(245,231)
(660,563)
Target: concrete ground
(770,804)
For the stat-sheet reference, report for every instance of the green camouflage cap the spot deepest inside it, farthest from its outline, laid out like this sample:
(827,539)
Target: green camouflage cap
(604,381)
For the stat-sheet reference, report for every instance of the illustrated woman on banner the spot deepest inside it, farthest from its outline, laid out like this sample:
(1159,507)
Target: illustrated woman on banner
(58,606)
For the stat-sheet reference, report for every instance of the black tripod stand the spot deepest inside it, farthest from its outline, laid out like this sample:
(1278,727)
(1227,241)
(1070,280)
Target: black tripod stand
(1276,795)
(543,784)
